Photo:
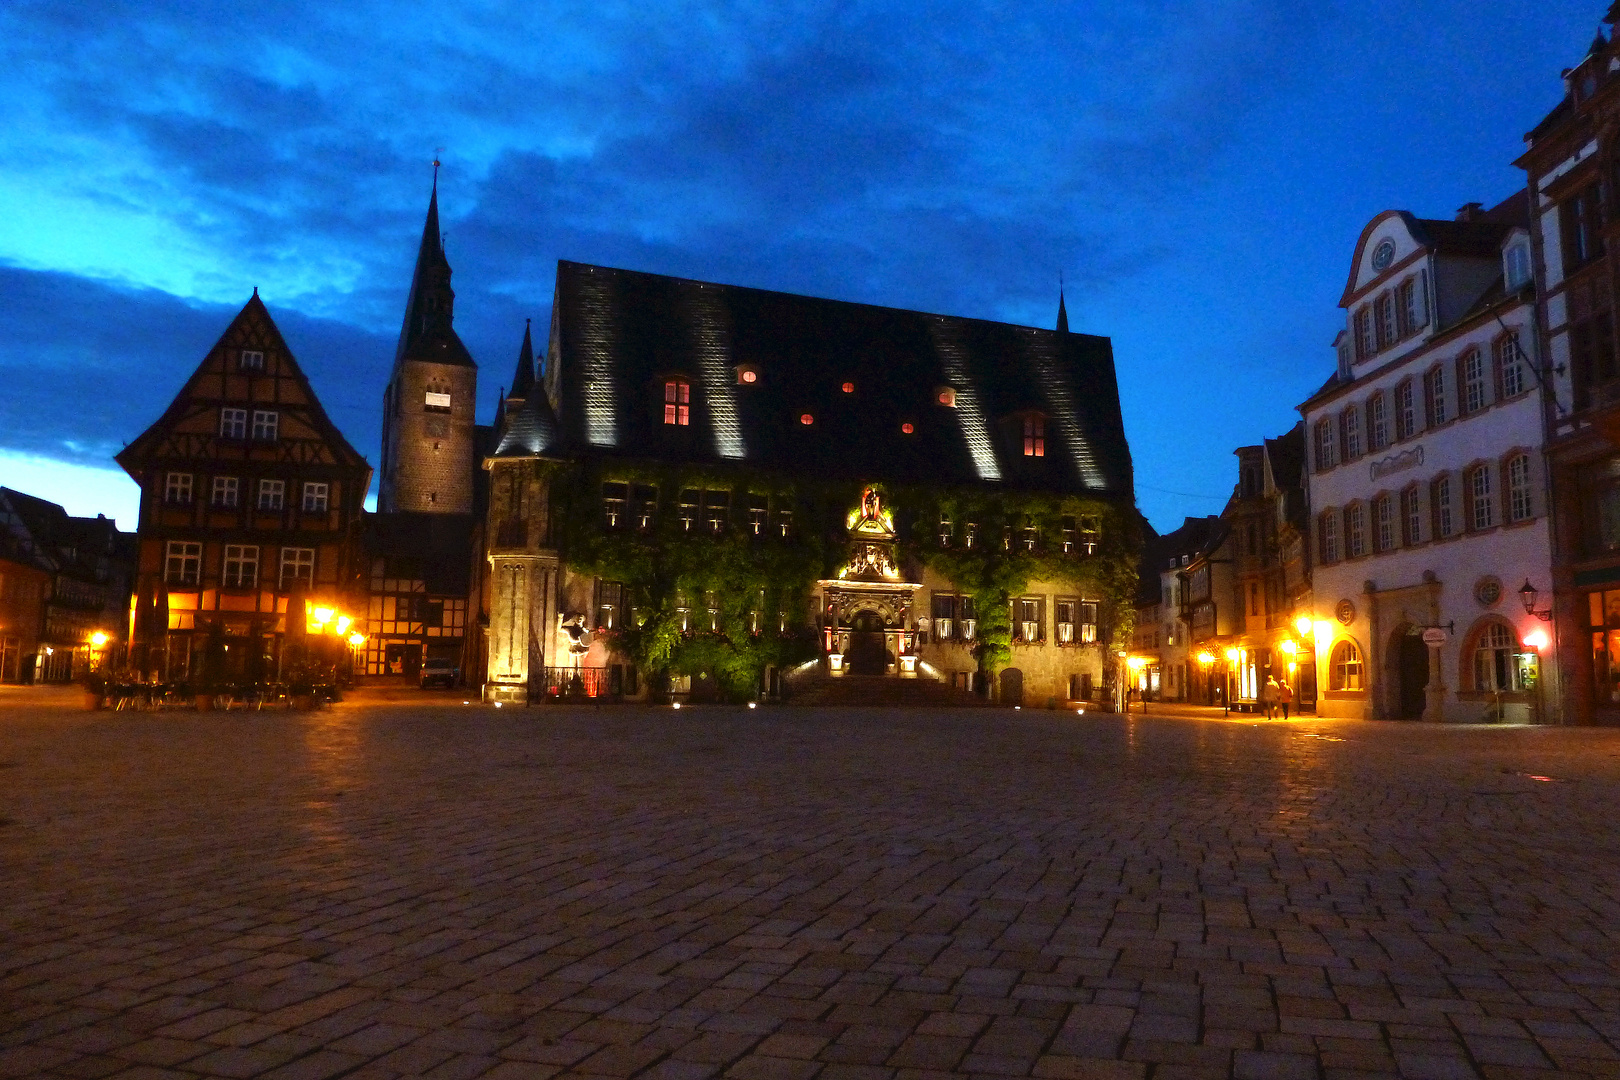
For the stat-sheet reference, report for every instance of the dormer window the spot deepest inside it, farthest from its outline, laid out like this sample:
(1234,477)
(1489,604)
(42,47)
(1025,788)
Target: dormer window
(1034,435)
(1516,266)
(946,396)
(677,402)
(747,375)
(250,360)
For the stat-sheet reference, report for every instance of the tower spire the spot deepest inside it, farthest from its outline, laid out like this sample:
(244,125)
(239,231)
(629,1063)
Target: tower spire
(430,309)
(523,379)
(1063,314)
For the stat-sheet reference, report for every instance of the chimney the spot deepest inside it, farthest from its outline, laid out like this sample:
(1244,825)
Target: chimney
(1469,211)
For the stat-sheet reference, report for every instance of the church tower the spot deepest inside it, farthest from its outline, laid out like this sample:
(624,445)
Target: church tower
(429,443)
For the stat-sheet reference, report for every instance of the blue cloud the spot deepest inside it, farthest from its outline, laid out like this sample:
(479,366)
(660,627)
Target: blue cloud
(1198,171)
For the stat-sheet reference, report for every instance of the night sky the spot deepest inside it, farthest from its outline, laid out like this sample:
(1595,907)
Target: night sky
(1198,173)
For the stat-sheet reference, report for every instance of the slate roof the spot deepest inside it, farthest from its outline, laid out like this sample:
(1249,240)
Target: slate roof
(45,535)
(523,377)
(618,334)
(530,429)
(1479,237)
(427,333)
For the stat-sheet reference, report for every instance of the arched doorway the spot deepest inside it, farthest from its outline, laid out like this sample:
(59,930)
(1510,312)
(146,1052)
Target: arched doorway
(867,654)
(1012,686)
(1409,671)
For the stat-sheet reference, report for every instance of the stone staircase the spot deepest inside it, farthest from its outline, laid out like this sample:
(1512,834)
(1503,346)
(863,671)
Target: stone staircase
(880,691)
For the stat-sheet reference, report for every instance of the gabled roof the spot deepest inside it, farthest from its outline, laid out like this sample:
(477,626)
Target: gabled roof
(619,334)
(204,392)
(1478,237)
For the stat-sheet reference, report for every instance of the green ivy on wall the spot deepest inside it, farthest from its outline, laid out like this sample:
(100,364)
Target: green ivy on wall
(753,581)
(771,576)
(999,566)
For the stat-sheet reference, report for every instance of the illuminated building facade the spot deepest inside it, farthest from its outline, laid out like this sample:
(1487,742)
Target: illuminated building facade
(248,494)
(737,491)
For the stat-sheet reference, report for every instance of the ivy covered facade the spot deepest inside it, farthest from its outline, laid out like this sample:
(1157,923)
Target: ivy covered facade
(729,493)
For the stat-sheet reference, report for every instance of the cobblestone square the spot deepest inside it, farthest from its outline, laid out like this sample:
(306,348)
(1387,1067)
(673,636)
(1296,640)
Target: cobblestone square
(405,889)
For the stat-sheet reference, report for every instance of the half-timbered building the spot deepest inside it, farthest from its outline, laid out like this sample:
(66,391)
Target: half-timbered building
(248,493)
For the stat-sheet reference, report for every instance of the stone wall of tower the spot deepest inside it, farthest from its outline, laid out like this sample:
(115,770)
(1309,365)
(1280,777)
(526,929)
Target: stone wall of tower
(524,576)
(430,454)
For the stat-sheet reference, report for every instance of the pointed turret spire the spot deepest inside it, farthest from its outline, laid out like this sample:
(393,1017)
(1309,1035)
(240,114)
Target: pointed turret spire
(524,377)
(430,309)
(1063,314)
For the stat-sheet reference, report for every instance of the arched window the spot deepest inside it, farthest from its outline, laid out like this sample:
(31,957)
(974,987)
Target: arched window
(1384,314)
(1411,516)
(1445,519)
(677,402)
(1405,410)
(1364,332)
(1512,379)
(1327,536)
(1496,666)
(1434,394)
(1481,497)
(1383,523)
(1352,433)
(1518,485)
(1326,446)
(1377,422)
(1344,667)
(1472,377)
(1355,531)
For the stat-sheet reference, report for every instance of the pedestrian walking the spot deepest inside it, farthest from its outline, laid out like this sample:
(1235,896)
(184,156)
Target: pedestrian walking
(1285,697)
(1268,697)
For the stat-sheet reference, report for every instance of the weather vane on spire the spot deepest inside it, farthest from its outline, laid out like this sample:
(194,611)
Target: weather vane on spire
(437,150)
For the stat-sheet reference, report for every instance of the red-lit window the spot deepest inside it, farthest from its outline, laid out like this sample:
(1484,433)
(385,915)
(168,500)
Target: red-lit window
(849,388)
(1034,436)
(806,419)
(677,402)
(907,428)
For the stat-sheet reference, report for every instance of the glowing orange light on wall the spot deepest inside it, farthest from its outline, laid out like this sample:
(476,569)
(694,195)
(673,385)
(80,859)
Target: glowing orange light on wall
(1536,639)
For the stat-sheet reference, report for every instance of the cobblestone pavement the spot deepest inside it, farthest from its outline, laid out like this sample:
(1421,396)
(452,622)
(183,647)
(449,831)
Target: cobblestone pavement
(398,890)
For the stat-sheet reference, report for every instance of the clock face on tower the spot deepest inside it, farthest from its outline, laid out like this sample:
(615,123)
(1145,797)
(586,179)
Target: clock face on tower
(1383,255)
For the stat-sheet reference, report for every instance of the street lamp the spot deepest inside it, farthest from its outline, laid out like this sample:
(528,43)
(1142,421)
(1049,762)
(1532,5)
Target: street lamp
(1303,625)
(1529,595)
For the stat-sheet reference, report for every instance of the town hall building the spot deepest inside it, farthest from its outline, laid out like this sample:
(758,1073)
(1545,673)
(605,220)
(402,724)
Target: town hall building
(729,492)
